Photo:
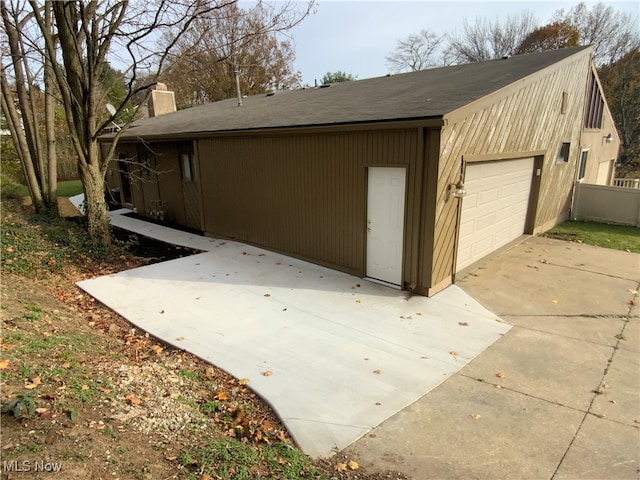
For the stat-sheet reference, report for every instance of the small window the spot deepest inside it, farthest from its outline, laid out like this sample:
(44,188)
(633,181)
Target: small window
(563,154)
(582,168)
(565,100)
(595,105)
(186,166)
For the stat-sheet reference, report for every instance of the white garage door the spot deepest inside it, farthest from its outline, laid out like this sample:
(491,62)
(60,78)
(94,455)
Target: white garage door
(494,211)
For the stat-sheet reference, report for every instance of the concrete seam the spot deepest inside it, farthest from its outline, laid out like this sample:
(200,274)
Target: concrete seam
(522,393)
(591,271)
(571,338)
(596,393)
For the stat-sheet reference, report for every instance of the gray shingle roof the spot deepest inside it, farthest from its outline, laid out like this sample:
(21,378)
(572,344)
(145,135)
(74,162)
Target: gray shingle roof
(425,94)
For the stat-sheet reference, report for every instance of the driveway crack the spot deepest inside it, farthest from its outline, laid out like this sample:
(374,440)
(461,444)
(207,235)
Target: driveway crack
(597,391)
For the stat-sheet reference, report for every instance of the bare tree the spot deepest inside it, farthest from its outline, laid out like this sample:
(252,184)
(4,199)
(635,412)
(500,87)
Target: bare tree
(26,106)
(85,37)
(233,41)
(416,52)
(486,40)
(611,33)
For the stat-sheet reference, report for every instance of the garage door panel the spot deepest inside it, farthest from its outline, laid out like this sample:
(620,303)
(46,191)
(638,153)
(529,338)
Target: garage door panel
(494,211)
(489,196)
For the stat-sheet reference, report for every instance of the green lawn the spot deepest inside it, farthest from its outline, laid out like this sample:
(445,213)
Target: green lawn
(68,188)
(618,237)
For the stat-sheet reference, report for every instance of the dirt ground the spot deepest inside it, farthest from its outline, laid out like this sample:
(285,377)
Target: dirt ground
(95,398)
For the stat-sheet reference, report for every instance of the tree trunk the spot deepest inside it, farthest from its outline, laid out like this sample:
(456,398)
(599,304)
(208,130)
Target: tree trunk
(49,113)
(20,143)
(97,213)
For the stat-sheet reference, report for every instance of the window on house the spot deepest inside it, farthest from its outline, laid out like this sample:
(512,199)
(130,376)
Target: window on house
(565,100)
(185,154)
(595,105)
(563,154)
(186,166)
(582,168)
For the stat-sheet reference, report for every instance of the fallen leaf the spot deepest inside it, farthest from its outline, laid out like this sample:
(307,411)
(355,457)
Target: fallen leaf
(499,320)
(463,324)
(158,349)
(221,395)
(378,372)
(418,313)
(632,292)
(267,295)
(66,365)
(268,373)
(500,375)
(358,301)
(268,425)
(42,410)
(554,300)
(132,399)
(353,465)
(35,381)
(85,387)
(180,339)
(243,381)
(204,476)
(453,352)
(4,364)
(341,467)
(105,390)
(476,416)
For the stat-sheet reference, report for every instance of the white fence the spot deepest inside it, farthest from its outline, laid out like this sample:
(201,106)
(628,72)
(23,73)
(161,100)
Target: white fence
(626,182)
(600,203)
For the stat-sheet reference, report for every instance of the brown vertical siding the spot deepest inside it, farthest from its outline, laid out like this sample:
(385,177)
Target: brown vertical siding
(169,181)
(304,194)
(522,118)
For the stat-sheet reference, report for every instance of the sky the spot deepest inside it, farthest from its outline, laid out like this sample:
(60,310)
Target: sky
(355,36)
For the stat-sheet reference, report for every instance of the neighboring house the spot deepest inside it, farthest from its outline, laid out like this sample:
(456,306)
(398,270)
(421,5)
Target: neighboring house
(366,176)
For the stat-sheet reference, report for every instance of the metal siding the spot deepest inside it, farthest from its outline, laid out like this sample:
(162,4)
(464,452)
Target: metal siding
(523,118)
(169,181)
(301,194)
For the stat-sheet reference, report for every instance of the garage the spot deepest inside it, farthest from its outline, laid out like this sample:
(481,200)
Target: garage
(494,211)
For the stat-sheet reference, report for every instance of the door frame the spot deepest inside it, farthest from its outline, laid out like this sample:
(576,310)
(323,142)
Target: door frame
(404,225)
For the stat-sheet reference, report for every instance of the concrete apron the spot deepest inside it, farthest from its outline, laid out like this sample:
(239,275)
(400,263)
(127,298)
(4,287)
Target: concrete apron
(557,397)
(344,354)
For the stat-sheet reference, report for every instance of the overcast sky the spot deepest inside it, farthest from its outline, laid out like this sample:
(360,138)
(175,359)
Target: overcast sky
(355,36)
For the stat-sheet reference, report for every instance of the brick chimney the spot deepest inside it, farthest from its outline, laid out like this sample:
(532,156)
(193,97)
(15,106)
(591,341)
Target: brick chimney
(162,101)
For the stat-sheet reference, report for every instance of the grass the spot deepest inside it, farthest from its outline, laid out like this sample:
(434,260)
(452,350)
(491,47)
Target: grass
(67,188)
(618,237)
(234,460)
(35,245)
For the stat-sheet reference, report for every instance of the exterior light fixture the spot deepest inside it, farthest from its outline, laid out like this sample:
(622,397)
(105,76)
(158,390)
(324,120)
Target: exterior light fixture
(608,138)
(456,190)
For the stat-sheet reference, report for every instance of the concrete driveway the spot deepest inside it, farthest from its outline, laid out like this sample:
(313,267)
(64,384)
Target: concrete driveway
(557,397)
(333,354)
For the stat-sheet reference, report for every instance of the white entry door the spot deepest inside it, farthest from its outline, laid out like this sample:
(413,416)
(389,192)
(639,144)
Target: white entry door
(494,211)
(385,224)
